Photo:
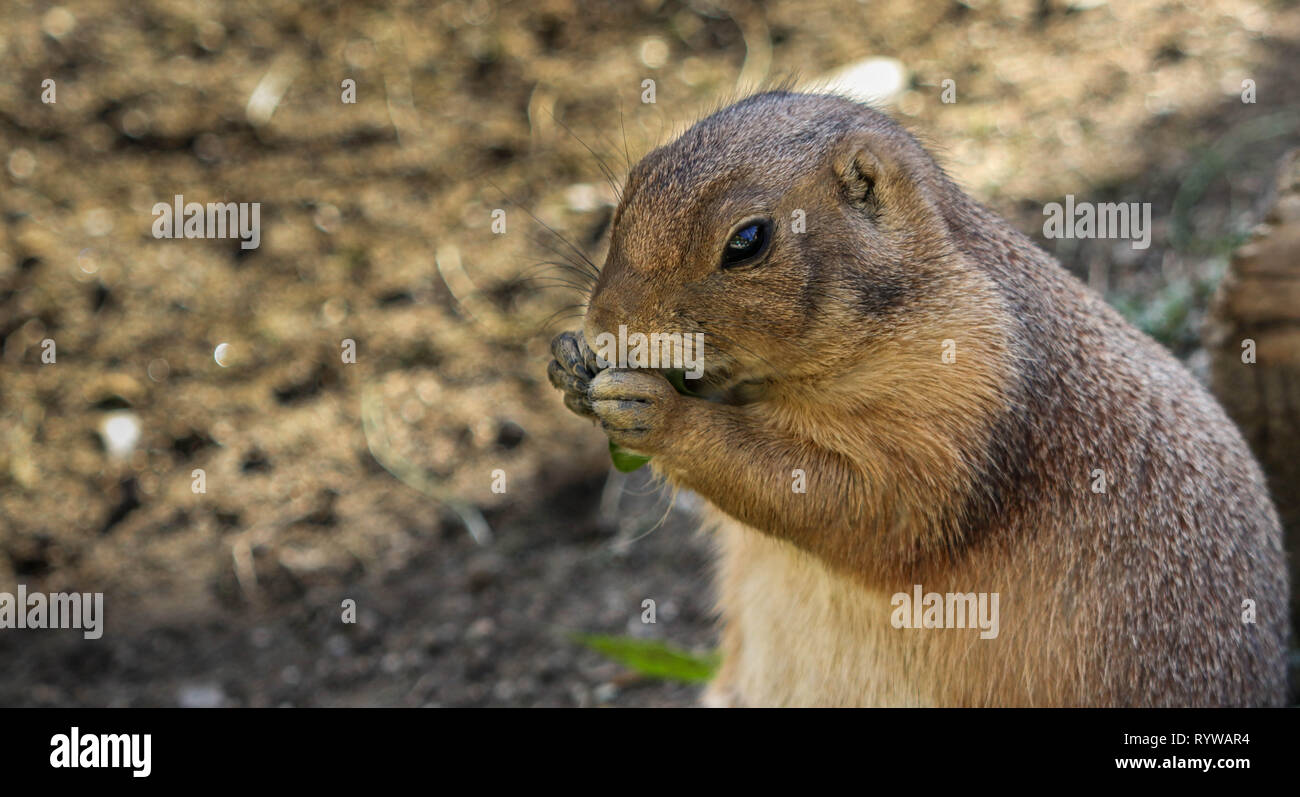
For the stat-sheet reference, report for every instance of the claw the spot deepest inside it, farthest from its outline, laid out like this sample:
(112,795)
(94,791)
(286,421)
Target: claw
(579,405)
(563,380)
(570,349)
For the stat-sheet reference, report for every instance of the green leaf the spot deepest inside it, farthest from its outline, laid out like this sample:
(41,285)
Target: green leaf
(677,378)
(654,659)
(625,460)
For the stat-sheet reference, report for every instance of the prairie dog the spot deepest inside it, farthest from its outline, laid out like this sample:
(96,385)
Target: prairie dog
(967,417)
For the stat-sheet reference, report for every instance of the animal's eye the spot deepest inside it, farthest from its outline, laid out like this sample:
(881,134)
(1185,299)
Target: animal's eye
(745,244)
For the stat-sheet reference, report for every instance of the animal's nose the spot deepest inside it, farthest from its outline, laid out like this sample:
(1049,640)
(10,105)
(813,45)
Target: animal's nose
(613,302)
(599,319)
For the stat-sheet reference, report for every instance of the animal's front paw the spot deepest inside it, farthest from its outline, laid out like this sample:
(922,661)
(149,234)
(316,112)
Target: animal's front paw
(571,371)
(636,408)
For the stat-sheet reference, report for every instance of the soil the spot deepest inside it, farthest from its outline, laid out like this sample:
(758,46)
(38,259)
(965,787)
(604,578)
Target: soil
(373,481)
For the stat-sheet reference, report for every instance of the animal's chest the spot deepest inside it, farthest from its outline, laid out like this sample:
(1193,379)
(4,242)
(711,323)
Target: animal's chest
(796,634)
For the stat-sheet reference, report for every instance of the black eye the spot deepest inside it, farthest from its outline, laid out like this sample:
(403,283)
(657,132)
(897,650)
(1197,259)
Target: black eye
(745,244)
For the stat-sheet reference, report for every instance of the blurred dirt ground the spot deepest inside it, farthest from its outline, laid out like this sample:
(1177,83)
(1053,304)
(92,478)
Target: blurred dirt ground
(328,481)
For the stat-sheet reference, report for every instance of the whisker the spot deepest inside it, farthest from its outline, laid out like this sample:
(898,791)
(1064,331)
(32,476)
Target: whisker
(579,265)
(548,228)
(627,156)
(556,315)
(609,173)
(559,282)
(567,270)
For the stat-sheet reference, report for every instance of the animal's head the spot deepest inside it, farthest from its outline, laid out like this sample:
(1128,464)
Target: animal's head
(789,229)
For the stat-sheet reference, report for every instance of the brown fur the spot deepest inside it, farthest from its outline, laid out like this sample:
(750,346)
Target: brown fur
(973,476)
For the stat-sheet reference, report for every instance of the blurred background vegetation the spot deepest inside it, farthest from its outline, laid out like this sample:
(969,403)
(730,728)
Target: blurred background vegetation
(372,481)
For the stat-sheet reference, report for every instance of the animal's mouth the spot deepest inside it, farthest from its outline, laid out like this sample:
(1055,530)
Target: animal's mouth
(724,386)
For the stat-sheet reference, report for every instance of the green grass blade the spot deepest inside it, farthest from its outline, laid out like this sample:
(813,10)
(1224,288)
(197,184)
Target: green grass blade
(652,658)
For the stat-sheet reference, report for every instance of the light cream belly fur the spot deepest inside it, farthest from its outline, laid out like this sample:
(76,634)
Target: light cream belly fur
(796,634)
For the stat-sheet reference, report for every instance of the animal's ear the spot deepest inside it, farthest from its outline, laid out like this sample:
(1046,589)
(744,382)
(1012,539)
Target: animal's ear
(859,171)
